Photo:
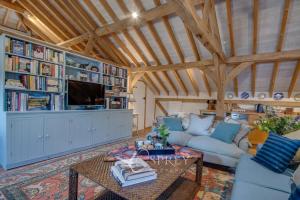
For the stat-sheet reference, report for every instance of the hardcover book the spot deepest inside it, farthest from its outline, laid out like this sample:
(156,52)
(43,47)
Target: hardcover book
(17,47)
(37,51)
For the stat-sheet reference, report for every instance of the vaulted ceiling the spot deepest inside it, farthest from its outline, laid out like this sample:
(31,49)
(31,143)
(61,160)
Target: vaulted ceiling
(158,37)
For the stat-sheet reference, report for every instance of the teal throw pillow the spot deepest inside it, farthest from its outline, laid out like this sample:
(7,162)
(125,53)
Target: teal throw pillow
(226,132)
(173,123)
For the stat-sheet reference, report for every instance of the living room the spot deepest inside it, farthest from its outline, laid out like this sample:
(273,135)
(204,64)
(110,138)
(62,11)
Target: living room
(150,99)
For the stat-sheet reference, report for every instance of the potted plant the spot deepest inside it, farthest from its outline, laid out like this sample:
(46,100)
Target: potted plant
(278,124)
(163,133)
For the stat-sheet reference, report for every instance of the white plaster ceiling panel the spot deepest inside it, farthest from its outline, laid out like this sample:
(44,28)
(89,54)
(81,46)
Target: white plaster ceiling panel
(153,44)
(176,83)
(166,40)
(270,15)
(285,73)
(244,80)
(165,82)
(242,23)
(292,39)
(182,38)
(223,27)
(184,77)
(263,76)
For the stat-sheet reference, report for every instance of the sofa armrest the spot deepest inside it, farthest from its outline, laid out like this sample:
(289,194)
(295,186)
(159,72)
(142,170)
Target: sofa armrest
(244,144)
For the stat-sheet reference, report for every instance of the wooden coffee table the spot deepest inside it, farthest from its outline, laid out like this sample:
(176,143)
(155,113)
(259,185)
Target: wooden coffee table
(168,185)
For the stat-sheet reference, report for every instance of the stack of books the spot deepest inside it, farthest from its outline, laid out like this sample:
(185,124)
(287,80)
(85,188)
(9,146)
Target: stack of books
(132,171)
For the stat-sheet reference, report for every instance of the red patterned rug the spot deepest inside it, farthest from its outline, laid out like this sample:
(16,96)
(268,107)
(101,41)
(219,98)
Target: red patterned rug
(49,180)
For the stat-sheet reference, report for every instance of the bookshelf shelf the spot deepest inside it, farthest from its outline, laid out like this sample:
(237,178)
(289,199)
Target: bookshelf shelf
(31,74)
(28,90)
(86,70)
(32,58)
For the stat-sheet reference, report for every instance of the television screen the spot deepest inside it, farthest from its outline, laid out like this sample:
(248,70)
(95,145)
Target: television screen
(82,93)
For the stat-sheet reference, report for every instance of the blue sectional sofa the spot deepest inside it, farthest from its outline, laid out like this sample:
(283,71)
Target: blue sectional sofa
(253,181)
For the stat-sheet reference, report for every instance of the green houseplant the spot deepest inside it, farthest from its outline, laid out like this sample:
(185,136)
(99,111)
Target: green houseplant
(278,124)
(163,133)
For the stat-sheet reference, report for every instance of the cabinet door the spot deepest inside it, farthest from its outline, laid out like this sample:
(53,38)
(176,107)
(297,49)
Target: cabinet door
(100,127)
(56,134)
(120,125)
(80,131)
(25,139)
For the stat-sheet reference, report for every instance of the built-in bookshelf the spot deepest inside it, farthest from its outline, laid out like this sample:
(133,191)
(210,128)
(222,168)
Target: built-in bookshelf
(35,76)
(114,78)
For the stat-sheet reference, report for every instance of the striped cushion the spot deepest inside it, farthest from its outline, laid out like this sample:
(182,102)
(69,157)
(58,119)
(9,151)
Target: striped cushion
(277,152)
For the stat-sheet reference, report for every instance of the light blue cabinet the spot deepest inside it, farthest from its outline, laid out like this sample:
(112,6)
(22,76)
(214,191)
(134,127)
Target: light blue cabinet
(56,132)
(100,128)
(119,125)
(25,139)
(30,137)
(80,131)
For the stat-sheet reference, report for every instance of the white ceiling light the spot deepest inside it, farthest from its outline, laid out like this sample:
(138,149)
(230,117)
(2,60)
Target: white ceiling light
(134,15)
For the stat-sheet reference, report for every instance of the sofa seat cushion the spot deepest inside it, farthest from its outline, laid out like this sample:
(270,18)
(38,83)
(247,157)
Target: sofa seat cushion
(252,172)
(209,144)
(247,191)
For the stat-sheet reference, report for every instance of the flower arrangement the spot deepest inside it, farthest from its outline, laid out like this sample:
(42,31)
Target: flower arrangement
(278,124)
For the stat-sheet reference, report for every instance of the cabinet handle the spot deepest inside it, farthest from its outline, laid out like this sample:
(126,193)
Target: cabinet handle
(40,137)
(47,136)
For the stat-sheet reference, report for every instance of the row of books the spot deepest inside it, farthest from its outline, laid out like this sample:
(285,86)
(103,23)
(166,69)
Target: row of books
(18,64)
(20,101)
(16,101)
(41,83)
(132,171)
(54,56)
(23,48)
(110,80)
(114,71)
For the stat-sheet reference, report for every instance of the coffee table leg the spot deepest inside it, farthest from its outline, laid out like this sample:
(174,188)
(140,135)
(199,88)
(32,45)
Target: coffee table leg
(199,165)
(73,184)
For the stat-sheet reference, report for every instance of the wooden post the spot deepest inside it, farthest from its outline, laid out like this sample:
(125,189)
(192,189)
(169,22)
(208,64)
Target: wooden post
(220,83)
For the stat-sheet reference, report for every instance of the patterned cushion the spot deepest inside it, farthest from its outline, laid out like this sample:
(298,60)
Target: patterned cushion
(277,152)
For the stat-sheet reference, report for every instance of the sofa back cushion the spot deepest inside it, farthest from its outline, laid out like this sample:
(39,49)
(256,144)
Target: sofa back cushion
(226,132)
(173,123)
(179,138)
(198,125)
(277,152)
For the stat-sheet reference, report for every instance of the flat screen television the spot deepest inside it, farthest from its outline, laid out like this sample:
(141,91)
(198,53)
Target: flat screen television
(83,93)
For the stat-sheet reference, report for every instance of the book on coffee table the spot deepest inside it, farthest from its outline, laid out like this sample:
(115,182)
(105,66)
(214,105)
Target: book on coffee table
(132,171)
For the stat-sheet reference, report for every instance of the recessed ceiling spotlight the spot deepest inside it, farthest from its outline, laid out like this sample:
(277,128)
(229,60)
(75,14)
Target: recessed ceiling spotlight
(134,15)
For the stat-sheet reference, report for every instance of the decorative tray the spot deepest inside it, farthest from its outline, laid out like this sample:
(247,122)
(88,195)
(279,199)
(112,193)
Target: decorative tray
(168,150)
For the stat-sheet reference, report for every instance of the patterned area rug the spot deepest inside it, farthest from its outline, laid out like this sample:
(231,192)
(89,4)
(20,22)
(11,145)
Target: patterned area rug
(49,179)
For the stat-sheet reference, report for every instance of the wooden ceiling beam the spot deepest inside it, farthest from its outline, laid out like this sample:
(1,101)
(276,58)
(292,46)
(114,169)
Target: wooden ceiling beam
(206,83)
(89,45)
(204,64)
(198,26)
(5,18)
(294,79)
(279,45)
(266,57)
(12,6)
(74,40)
(45,18)
(254,44)
(237,70)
